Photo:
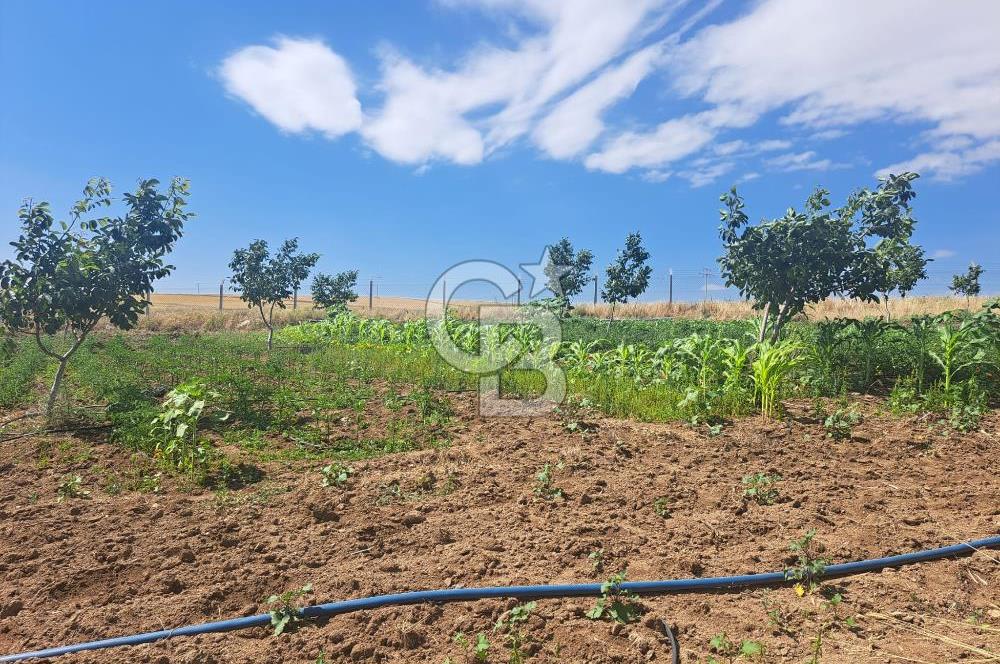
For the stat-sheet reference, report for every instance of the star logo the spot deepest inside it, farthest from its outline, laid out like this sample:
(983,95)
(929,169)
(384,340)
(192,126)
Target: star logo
(539,279)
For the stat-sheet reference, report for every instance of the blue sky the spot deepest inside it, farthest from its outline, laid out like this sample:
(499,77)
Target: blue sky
(403,140)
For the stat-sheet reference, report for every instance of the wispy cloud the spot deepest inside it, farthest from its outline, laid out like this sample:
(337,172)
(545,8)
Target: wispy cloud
(801,161)
(943,253)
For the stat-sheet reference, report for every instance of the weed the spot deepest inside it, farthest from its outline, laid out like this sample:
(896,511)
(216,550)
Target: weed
(71,486)
(175,428)
(336,474)
(480,649)
(615,602)
(761,488)
(596,559)
(724,647)
(841,422)
(661,507)
(545,484)
(512,622)
(286,610)
(808,567)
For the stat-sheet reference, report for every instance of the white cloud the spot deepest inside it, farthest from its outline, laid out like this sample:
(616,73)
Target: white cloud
(800,161)
(428,112)
(833,64)
(828,134)
(299,85)
(669,142)
(704,176)
(943,253)
(656,176)
(576,121)
(949,165)
(562,65)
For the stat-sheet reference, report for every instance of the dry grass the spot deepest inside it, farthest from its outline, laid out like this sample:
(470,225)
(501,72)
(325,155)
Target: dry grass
(200,313)
(739,309)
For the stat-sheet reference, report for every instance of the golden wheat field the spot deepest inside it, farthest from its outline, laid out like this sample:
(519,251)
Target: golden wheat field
(171,312)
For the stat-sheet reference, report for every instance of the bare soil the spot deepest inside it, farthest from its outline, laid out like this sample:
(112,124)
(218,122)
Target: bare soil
(466,515)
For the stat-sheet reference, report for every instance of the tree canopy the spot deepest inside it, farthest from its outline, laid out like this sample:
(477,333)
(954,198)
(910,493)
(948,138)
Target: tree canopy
(568,271)
(265,281)
(627,277)
(67,277)
(859,250)
(967,284)
(334,292)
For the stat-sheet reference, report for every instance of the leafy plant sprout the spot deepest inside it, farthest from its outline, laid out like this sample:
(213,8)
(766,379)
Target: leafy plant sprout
(286,610)
(545,484)
(336,474)
(615,602)
(808,567)
(760,487)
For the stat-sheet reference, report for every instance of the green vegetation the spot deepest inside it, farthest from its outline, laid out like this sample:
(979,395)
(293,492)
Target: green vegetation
(861,249)
(722,646)
(265,281)
(808,567)
(68,279)
(760,487)
(615,602)
(286,609)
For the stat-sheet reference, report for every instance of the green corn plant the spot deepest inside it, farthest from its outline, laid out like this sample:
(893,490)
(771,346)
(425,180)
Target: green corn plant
(959,347)
(828,338)
(921,330)
(868,332)
(771,367)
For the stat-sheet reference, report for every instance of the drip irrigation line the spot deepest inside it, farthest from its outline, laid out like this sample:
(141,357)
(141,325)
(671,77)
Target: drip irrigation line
(673,586)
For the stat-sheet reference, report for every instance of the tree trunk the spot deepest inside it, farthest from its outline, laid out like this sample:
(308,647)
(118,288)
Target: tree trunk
(763,324)
(54,391)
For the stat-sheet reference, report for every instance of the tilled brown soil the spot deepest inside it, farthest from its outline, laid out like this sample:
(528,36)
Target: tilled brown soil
(466,515)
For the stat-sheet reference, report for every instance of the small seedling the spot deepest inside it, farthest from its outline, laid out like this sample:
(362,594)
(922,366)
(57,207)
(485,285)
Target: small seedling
(723,646)
(808,567)
(544,484)
(480,649)
(760,487)
(285,609)
(596,559)
(71,487)
(336,474)
(661,506)
(841,422)
(615,602)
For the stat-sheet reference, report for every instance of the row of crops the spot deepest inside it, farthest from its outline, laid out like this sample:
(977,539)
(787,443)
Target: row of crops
(703,370)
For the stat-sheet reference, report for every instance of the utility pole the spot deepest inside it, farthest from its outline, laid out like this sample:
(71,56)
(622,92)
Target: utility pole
(295,298)
(220,293)
(595,290)
(197,287)
(706,272)
(519,292)
(444,298)
(670,288)
(371,291)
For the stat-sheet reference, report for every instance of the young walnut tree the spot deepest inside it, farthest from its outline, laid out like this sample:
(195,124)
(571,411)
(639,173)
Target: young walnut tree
(784,264)
(628,276)
(334,292)
(265,281)
(66,277)
(967,284)
(567,271)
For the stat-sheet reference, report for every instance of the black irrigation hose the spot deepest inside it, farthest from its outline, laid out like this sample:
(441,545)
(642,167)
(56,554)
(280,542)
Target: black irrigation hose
(675,649)
(668,587)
